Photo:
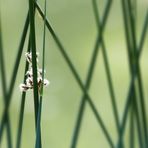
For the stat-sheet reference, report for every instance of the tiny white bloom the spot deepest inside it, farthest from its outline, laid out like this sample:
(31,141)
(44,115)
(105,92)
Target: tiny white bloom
(37,54)
(23,88)
(29,56)
(29,75)
(40,71)
(29,82)
(46,82)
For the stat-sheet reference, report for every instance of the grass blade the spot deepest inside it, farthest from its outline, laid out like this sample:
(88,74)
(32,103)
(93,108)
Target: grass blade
(41,92)
(137,69)
(128,100)
(4,87)
(107,69)
(12,82)
(74,72)
(22,106)
(34,62)
(33,49)
(89,77)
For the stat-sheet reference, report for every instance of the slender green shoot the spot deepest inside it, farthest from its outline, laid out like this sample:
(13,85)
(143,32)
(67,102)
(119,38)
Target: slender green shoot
(3,77)
(22,106)
(41,91)
(74,72)
(90,74)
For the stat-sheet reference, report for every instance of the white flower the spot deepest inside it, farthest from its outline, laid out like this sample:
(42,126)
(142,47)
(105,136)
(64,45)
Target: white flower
(29,75)
(46,82)
(29,82)
(40,71)
(23,88)
(29,56)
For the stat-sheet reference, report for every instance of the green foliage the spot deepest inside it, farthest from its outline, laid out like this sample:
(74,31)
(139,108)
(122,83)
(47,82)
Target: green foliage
(134,109)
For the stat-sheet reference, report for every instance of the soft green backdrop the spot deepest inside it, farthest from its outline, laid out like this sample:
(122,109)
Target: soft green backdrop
(74,23)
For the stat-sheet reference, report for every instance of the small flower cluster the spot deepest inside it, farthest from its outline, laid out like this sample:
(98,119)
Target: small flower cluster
(29,75)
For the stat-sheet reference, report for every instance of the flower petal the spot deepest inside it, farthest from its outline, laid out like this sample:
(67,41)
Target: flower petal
(23,88)
(29,82)
(46,82)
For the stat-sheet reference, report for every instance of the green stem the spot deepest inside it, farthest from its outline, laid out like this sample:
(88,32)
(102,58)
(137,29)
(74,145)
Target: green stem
(22,106)
(74,72)
(3,74)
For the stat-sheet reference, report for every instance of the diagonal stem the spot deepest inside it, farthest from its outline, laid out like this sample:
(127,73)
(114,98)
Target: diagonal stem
(89,78)
(22,106)
(3,74)
(107,68)
(13,78)
(74,72)
(128,99)
(138,70)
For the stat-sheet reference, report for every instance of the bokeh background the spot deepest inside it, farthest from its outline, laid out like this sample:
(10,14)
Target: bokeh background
(74,23)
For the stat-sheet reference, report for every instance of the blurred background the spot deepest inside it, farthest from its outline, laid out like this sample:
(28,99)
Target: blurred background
(74,23)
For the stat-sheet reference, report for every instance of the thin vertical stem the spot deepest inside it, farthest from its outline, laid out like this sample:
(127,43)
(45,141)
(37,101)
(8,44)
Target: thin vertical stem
(128,99)
(138,71)
(41,91)
(131,129)
(133,78)
(38,133)
(34,62)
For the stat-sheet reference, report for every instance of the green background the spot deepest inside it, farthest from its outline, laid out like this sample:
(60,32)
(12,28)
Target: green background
(74,23)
